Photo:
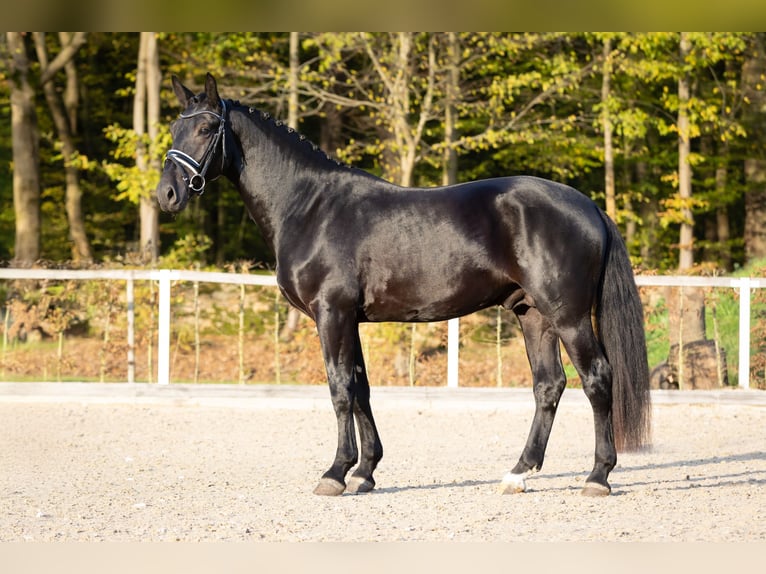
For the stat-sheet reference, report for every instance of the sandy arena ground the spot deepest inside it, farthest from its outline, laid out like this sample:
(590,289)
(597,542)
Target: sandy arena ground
(134,463)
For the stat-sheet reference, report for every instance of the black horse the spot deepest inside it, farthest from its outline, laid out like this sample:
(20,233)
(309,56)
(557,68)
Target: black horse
(351,247)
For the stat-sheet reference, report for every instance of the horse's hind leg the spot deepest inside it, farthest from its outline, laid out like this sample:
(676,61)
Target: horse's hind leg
(370,446)
(549,381)
(596,374)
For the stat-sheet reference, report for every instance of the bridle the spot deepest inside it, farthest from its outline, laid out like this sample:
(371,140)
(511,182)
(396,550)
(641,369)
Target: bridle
(189,165)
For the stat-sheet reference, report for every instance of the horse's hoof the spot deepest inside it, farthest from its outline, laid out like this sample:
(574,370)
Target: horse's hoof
(512,484)
(359,485)
(595,489)
(329,487)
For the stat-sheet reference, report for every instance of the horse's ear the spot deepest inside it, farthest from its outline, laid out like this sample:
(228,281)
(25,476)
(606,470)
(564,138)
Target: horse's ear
(183,93)
(211,89)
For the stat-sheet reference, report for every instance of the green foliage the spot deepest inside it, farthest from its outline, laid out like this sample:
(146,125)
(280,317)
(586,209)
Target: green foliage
(187,251)
(486,331)
(526,103)
(132,182)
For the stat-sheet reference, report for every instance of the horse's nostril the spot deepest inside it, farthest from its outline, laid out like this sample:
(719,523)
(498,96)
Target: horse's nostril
(171,193)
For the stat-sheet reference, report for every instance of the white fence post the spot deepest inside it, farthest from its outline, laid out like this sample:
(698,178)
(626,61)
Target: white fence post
(453,346)
(744,333)
(131,330)
(163,334)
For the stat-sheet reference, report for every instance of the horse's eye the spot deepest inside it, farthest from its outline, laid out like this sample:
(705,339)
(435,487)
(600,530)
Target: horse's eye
(204,131)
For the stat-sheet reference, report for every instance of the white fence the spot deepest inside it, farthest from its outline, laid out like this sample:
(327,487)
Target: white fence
(165,277)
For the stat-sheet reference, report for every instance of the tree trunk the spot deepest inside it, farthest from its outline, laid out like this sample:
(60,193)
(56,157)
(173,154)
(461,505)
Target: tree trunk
(331,136)
(26,154)
(81,250)
(686,309)
(146,111)
(293,315)
(686,306)
(753,72)
(71,94)
(401,105)
(755,209)
(716,223)
(606,124)
(686,238)
(292,81)
(648,212)
(627,185)
(723,230)
(686,324)
(452,89)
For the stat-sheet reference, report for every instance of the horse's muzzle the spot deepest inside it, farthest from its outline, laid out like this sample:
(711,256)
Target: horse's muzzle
(171,196)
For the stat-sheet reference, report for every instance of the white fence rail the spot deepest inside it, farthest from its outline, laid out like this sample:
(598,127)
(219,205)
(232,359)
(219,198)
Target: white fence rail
(165,277)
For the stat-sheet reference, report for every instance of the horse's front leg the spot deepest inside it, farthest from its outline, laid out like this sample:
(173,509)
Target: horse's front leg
(371,447)
(338,336)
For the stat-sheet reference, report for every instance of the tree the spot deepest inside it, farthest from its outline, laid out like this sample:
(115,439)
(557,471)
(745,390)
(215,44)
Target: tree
(522,110)
(146,118)
(451,101)
(606,121)
(64,114)
(27,181)
(691,102)
(26,152)
(404,106)
(623,122)
(392,61)
(698,112)
(391,79)
(754,80)
(686,235)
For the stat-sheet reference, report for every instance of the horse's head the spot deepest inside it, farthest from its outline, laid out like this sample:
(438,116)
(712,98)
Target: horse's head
(199,146)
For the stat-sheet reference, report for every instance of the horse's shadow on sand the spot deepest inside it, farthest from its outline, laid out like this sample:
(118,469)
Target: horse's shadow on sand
(684,481)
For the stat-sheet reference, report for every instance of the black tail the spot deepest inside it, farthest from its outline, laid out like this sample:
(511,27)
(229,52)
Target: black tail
(620,320)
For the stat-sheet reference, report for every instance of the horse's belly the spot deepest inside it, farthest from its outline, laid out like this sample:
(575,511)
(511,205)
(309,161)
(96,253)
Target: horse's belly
(433,298)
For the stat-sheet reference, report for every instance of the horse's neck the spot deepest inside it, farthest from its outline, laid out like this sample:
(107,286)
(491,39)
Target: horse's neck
(279,173)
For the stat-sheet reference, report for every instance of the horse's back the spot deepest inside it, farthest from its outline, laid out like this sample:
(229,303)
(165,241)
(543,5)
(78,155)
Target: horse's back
(433,254)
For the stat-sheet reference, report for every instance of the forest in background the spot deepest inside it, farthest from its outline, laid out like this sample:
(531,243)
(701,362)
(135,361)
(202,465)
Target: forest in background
(666,131)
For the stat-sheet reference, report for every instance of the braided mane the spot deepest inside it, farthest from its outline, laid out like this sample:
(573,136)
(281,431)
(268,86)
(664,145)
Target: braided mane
(294,137)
